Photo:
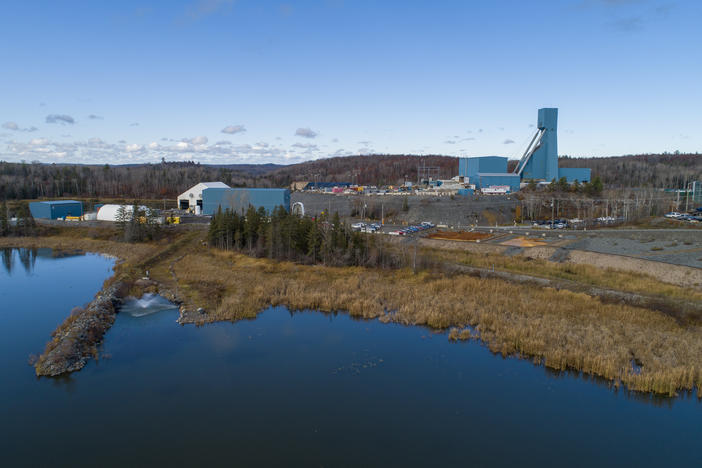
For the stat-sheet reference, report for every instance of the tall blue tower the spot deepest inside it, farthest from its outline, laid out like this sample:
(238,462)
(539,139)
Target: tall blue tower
(540,160)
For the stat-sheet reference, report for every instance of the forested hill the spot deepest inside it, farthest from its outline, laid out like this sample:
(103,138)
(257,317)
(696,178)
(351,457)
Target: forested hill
(667,170)
(168,179)
(367,170)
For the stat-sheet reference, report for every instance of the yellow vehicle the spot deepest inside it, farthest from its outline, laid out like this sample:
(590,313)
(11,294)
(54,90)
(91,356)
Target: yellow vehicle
(73,218)
(173,220)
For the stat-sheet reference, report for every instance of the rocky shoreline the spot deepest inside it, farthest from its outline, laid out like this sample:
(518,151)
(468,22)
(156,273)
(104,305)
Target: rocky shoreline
(76,339)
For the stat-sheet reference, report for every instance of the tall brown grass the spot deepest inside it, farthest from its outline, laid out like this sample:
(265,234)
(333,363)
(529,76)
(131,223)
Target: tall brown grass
(585,274)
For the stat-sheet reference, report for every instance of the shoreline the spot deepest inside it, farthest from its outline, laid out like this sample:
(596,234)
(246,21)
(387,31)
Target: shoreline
(557,328)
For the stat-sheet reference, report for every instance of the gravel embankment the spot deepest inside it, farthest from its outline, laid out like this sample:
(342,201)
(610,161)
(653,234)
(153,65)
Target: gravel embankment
(76,340)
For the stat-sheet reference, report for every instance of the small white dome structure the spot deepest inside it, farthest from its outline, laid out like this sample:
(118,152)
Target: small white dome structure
(111,212)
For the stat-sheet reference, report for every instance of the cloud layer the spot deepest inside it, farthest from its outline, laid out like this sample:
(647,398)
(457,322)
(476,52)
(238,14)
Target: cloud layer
(198,148)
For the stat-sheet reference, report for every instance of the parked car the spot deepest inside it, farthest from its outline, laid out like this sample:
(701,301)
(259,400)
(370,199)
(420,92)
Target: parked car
(673,214)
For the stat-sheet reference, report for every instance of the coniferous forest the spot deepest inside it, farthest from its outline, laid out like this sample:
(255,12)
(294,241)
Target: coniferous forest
(285,236)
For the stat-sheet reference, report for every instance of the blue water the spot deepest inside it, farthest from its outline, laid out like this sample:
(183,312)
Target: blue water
(302,389)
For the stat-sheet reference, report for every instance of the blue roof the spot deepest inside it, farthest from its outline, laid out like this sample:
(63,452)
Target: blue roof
(58,202)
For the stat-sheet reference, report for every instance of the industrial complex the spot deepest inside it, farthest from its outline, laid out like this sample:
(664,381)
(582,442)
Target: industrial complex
(539,162)
(483,174)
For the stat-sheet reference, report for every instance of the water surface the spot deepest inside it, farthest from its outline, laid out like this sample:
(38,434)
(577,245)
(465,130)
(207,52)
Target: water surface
(302,389)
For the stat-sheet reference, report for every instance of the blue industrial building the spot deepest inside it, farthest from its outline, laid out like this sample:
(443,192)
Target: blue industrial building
(539,162)
(56,209)
(239,199)
(486,171)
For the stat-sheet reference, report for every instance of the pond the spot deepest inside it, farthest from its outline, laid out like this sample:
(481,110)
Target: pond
(299,389)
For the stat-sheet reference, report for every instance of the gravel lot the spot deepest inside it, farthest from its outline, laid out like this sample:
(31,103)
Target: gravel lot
(670,246)
(461,211)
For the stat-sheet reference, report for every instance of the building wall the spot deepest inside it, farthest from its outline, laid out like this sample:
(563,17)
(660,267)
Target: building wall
(512,180)
(470,167)
(239,199)
(194,194)
(581,174)
(56,209)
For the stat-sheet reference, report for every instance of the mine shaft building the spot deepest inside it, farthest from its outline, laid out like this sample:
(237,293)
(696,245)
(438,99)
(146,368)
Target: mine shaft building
(539,161)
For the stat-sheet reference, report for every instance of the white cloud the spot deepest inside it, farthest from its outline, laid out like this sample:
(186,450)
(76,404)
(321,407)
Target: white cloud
(199,140)
(305,132)
(203,8)
(305,145)
(16,128)
(60,118)
(234,129)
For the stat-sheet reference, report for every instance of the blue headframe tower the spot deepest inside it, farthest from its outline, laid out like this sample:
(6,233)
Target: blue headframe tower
(540,160)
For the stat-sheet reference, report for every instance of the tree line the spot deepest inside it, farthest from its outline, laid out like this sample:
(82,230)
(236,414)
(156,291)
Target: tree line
(284,236)
(166,180)
(23,223)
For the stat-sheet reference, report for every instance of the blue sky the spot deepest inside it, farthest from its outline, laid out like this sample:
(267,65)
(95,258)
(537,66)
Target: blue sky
(254,82)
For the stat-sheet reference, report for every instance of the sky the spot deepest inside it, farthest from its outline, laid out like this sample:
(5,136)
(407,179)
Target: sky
(245,81)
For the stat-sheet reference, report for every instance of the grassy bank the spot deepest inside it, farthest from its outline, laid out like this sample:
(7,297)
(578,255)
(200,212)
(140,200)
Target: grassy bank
(585,274)
(642,349)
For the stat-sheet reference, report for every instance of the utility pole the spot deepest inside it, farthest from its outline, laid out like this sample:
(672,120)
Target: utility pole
(553,214)
(687,197)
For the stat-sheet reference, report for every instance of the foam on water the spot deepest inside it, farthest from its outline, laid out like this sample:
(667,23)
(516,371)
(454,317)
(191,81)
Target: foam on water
(148,304)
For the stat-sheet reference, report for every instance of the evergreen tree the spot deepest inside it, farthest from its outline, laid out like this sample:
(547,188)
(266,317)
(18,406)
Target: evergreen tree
(4,224)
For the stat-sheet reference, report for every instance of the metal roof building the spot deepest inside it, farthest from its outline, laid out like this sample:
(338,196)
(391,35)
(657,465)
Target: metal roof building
(56,209)
(239,199)
(192,198)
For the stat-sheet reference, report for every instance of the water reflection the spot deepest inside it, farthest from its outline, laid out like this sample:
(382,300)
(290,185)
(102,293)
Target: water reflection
(27,257)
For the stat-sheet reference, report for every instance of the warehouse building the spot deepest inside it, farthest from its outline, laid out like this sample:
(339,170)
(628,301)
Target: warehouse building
(239,199)
(487,171)
(56,209)
(191,199)
(539,162)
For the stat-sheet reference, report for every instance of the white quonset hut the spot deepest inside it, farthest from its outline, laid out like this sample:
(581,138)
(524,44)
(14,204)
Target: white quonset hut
(191,199)
(111,212)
